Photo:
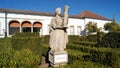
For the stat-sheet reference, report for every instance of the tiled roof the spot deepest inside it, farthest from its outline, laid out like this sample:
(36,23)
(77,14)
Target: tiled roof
(26,12)
(31,12)
(85,14)
(88,14)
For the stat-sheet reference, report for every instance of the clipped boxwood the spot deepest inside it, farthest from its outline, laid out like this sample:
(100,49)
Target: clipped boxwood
(26,34)
(104,57)
(33,44)
(86,43)
(111,40)
(46,39)
(73,38)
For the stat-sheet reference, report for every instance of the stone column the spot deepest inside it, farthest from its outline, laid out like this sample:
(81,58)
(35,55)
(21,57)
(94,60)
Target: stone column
(31,29)
(20,29)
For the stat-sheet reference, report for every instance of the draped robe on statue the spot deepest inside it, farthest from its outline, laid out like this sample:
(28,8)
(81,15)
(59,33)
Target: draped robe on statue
(58,35)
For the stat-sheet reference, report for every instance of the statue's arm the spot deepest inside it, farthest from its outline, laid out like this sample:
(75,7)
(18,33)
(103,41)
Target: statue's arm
(52,24)
(65,22)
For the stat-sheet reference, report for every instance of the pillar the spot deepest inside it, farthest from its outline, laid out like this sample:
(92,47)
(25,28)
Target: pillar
(31,29)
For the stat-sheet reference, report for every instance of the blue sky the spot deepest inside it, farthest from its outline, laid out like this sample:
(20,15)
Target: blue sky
(104,8)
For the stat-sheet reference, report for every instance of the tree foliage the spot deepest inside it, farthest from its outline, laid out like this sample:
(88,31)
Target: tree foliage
(92,27)
(113,26)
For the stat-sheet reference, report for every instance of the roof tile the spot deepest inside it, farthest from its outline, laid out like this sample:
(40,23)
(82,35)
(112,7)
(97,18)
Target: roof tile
(88,14)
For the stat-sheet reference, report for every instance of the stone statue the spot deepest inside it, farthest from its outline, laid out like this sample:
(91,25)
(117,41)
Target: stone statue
(58,34)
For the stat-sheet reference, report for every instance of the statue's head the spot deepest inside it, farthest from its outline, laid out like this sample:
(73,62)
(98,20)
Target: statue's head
(58,10)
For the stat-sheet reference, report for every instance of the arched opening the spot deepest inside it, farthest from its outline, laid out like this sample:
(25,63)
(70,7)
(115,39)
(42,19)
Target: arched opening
(26,26)
(14,26)
(37,26)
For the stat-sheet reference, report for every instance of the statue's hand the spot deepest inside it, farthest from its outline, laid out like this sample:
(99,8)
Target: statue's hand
(66,8)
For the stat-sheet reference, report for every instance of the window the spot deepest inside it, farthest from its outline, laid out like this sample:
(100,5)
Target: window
(37,26)
(71,30)
(79,30)
(14,26)
(26,26)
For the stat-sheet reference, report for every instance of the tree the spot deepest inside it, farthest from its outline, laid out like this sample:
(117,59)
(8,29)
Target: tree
(92,27)
(113,26)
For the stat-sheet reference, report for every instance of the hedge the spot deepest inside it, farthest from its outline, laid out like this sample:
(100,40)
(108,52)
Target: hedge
(111,40)
(86,43)
(75,38)
(30,41)
(23,58)
(26,34)
(105,56)
(17,58)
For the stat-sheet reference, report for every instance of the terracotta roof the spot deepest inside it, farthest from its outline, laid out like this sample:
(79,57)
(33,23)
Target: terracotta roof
(26,12)
(88,14)
(85,14)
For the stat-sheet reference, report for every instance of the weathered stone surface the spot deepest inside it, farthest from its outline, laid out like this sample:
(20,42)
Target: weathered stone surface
(58,58)
(58,35)
(58,38)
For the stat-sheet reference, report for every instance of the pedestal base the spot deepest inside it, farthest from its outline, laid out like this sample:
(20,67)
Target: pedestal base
(58,58)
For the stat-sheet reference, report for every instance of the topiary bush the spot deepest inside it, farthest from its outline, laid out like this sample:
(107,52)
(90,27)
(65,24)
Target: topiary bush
(33,44)
(86,43)
(24,58)
(104,57)
(46,39)
(30,41)
(26,34)
(111,40)
(73,38)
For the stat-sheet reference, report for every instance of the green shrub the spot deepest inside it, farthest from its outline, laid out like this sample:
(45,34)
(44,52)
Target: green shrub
(46,39)
(104,57)
(73,38)
(111,39)
(26,34)
(30,41)
(92,38)
(33,44)
(24,58)
(85,43)
(83,64)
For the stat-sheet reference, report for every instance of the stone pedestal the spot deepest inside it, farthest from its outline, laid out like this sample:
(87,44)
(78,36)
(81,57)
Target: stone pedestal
(58,58)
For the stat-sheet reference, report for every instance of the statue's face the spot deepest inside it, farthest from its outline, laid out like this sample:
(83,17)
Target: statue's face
(58,11)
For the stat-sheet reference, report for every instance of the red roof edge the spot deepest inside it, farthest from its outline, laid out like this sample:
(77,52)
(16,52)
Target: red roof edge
(88,14)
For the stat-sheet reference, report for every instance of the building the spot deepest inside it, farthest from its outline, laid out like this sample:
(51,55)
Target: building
(12,21)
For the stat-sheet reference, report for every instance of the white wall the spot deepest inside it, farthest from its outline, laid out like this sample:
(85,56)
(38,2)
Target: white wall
(45,20)
(75,22)
(2,23)
(31,18)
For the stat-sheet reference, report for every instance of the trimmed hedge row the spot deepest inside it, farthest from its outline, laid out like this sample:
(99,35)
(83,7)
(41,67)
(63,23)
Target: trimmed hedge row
(81,48)
(101,55)
(12,58)
(23,58)
(86,43)
(30,41)
(104,57)
(76,55)
(46,39)
(111,40)
(33,44)
(26,34)
(76,38)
